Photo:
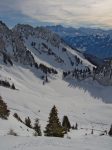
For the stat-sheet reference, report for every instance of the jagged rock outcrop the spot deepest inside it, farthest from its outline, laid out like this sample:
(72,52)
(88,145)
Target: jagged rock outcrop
(103,74)
(12,48)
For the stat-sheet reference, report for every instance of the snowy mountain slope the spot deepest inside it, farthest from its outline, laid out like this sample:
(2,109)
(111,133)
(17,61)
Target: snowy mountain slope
(26,143)
(43,50)
(32,96)
(39,48)
(47,46)
(88,103)
(35,100)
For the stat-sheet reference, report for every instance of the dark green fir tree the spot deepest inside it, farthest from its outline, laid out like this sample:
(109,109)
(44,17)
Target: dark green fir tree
(110,132)
(28,122)
(66,124)
(54,127)
(37,128)
(4,112)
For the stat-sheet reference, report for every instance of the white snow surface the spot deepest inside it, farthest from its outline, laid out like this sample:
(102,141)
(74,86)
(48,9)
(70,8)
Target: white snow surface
(35,100)
(43,143)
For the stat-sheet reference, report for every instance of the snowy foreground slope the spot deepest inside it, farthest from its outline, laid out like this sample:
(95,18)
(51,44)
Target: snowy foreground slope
(35,100)
(43,143)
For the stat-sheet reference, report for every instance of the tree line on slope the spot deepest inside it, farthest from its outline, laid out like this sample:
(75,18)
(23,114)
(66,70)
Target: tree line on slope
(7,84)
(54,128)
(101,73)
(79,74)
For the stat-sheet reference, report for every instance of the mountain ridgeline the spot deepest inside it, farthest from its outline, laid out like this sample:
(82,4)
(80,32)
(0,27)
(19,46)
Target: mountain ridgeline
(95,43)
(44,51)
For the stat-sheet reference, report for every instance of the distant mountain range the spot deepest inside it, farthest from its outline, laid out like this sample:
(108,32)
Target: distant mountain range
(92,42)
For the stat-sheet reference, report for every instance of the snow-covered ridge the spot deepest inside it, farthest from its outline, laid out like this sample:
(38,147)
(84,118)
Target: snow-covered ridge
(37,47)
(45,51)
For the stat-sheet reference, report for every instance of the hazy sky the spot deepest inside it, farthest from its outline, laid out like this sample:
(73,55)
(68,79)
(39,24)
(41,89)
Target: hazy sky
(92,13)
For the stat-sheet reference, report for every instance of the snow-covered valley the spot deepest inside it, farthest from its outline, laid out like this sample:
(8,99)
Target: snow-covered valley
(35,61)
(35,100)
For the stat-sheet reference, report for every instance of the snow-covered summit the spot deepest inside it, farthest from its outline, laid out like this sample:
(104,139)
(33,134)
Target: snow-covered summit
(31,46)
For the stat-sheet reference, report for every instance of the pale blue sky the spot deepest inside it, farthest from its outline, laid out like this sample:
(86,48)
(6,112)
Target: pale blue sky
(76,13)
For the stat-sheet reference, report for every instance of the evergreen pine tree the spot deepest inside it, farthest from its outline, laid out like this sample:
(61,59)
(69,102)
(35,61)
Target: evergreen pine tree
(17,117)
(110,132)
(76,127)
(37,127)
(4,112)
(13,86)
(92,131)
(54,127)
(46,79)
(28,122)
(66,124)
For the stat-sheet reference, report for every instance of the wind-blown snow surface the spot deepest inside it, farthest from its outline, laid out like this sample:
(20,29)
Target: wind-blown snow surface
(35,100)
